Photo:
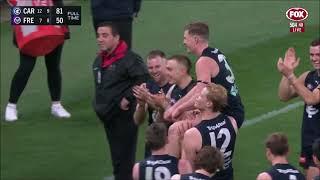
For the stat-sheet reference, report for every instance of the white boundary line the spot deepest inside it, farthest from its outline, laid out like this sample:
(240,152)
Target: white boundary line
(271,114)
(258,119)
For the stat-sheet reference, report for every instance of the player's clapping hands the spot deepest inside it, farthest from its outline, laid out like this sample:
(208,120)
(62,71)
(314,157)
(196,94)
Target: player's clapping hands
(287,65)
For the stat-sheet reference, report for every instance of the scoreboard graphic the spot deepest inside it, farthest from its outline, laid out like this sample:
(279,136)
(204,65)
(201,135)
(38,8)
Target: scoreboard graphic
(46,15)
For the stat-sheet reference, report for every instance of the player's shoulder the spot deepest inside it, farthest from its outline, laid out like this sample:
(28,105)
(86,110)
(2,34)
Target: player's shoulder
(176,177)
(303,76)
(192,135)
(264,176)
(234,123)
(191,131)
(206,62)
(135,171)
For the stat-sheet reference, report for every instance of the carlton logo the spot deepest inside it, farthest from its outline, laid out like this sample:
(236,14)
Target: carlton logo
(297,14)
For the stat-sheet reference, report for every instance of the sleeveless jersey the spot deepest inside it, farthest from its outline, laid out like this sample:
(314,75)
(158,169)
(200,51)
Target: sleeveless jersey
(285,172)
(154,88)
(220,133)
(226,78)
(311,116)
(177,93)
(158,167)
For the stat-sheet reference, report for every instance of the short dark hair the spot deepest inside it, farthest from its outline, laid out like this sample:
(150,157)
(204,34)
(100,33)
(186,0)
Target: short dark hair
(315,42)
(198,28)
(183,60)
(156,53)
(156,135)
(209,158)
(112,26)
(316,148)
(277,143)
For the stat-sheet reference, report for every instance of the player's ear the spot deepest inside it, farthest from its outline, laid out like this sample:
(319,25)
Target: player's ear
(268,153)
(196,38)
(117,37)
(209,104)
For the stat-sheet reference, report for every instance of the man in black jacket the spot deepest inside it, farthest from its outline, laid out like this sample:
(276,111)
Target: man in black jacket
(120,13)
(116,70)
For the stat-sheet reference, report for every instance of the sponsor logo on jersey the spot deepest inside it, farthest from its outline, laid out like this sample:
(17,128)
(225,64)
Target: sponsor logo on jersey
(158,162)
(211,128)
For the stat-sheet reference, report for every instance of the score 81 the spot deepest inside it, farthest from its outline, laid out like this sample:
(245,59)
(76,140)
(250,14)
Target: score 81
(59,10)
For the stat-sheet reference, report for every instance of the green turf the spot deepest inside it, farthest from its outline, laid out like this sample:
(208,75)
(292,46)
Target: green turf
(252,34)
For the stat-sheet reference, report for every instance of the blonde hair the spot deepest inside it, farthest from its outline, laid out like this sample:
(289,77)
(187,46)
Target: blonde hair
(217,94)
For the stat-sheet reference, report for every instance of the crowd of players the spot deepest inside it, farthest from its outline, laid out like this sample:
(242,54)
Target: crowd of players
(193,123)
(207,112)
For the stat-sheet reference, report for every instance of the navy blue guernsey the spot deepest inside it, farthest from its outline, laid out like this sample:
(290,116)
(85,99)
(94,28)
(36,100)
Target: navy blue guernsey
(177,93)
(226,78)
(311,116)
(154,88)
(194,176)
(220,133)
(158,167)
(285,172)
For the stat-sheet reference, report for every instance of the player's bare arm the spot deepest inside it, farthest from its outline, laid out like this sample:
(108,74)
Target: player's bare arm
(286,67)
(140,113)
(191,144)
(234,124)
(184,166)
(176,177)
(309,97)
(206,68)
(135,172)
(264,176)
(142,106)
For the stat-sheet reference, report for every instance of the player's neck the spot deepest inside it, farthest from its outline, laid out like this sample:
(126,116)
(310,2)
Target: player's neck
(279,160)
(200,49)
(204,172)
(206,115)
(163,82)
(161,151)
(184,82)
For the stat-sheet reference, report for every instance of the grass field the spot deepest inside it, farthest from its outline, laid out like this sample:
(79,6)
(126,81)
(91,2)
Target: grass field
(253,34)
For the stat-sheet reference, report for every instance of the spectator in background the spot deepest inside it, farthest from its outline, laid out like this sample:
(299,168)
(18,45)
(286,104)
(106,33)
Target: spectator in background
(21,77)
(120,13)
(116,70)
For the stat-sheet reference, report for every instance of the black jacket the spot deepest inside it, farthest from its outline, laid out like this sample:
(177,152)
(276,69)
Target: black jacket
(116,81)
(108,10)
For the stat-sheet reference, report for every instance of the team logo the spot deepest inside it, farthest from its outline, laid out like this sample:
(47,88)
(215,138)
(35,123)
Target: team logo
(17,20)
(311,111)
(297,14)
(309,86)
(16,11)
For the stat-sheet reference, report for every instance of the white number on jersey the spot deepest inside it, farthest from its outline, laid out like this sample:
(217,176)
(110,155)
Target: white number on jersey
(226,142)
(160,173)
(292,177)
(230,78)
